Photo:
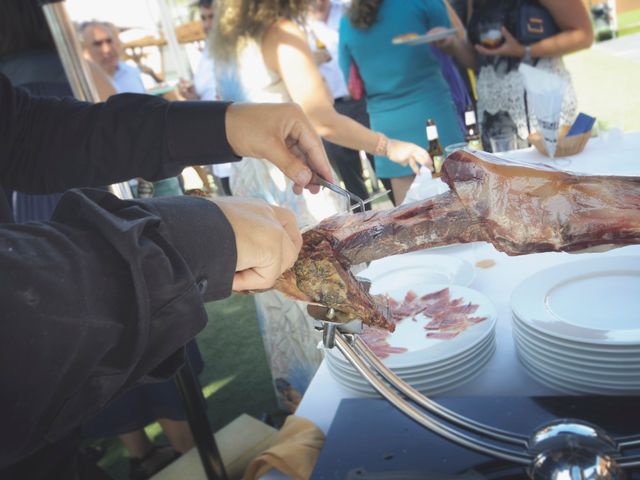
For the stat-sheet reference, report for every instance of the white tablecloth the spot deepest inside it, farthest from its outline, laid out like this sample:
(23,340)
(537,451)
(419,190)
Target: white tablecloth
(504,375)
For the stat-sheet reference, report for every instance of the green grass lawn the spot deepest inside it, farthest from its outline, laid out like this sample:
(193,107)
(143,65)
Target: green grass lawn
(629,22)
(236,378)
(606,87)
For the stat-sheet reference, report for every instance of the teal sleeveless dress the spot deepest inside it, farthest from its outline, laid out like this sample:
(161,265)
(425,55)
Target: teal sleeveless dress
(404,84)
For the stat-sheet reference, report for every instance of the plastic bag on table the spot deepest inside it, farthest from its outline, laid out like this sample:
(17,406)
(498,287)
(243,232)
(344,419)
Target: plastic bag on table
(545,92)
(424,186)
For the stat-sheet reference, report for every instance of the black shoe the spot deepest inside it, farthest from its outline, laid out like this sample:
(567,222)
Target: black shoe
(152,462)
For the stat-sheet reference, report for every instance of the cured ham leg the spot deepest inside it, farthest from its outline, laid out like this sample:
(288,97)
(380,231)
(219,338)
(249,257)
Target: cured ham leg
(518,208)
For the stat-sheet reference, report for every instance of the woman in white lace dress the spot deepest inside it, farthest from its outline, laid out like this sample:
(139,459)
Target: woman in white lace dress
(262,55)
(495,53)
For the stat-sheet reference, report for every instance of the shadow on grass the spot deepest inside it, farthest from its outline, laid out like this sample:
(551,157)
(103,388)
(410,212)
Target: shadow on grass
(236,378)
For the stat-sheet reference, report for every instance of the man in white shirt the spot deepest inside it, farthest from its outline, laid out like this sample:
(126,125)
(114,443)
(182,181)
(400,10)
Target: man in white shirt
(204,83)
(103,47)
(323,23)
(204,86)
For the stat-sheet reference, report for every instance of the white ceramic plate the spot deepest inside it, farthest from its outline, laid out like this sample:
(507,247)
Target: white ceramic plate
(437,374)
(423,350)
(338,360)
(579,351)
(426,38)
(586,375)
(614,366)
(551,378)
(595,301)
(426,386)
(417,268)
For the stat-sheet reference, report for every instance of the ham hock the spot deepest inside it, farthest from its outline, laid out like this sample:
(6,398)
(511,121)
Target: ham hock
(519,208)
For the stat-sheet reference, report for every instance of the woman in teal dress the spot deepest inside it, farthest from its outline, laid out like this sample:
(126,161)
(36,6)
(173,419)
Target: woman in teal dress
(404,85)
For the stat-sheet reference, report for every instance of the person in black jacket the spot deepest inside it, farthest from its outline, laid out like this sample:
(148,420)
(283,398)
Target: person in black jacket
(105,295)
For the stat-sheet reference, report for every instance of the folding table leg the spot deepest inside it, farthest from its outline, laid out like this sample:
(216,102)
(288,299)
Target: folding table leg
(199,423)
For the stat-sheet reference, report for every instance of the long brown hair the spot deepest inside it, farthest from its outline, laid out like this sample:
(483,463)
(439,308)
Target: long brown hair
(239,20)
(364,13)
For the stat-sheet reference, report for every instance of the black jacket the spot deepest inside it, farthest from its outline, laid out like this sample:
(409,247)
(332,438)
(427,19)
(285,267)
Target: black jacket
(104,295)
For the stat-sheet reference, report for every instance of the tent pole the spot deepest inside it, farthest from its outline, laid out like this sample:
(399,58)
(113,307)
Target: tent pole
(70,53)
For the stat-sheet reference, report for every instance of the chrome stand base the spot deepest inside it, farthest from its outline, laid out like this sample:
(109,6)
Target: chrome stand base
(565,449)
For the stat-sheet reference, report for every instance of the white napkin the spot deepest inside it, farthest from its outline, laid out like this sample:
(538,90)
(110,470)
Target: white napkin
(545,94)
(424,186)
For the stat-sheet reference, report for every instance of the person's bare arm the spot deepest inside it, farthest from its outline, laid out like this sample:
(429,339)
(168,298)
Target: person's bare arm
(456,46)
(286,51)
(576,33)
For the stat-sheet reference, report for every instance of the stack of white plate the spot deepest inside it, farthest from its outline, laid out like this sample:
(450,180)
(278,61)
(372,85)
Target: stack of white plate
(577,326)
(430,365)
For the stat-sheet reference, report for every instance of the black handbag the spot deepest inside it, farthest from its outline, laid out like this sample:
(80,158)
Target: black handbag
(534,23)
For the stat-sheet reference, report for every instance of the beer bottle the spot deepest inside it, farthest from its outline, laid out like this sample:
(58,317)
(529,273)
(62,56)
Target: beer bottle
(434,148)
(472,136)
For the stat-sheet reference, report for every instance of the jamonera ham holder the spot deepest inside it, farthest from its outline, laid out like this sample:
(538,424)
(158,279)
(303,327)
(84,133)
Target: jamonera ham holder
(519,208)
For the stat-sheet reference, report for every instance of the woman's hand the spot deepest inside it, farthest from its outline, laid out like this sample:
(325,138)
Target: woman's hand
(187,90)
(447,44)
(406,153)
(509,48)
(321,56)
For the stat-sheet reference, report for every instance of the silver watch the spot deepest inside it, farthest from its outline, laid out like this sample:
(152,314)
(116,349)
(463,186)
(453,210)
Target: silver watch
(527,58)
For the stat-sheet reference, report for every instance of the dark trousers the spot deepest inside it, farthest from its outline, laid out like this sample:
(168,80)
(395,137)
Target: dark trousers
(62,460)
(344,160)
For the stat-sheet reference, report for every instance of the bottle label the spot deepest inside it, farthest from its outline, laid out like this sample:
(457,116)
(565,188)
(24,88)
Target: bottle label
(432,132)
(437,163)
(469,117)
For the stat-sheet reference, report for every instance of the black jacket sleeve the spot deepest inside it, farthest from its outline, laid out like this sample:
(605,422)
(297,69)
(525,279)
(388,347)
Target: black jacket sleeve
(101,298)
(50,145)
(104,295)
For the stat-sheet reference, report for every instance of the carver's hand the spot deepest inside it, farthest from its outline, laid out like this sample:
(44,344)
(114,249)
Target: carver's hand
(282,134)
(267,241)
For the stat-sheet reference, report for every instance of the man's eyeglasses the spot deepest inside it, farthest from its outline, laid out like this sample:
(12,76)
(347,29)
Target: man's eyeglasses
(208,16)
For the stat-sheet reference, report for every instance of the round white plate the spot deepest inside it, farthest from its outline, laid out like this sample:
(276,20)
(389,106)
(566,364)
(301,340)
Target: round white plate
(586,375)
(602,352)
(427,386)
(416,269)
(430,375)
(423,350)
(559,382)
(614,366)
(596,301)
(419,370)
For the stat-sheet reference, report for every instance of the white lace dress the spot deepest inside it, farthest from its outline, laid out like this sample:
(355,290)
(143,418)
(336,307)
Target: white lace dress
(289,337)
(502,103)
(505,92)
